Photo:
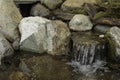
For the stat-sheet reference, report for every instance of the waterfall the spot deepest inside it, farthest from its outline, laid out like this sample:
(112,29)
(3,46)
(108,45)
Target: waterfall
(88,52)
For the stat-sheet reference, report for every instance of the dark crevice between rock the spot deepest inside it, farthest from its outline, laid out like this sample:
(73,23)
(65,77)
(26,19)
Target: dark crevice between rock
(26,8)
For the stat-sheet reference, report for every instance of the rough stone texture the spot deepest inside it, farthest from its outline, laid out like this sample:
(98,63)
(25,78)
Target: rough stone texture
(41,35)
(113,36)
(40,10)
(9,19)
(52,4)
(5,48)
(75,4)
(63,15)
(25,1)
(80,23)
(18,76)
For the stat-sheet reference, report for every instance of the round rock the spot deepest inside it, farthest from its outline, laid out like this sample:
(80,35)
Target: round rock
(80,23)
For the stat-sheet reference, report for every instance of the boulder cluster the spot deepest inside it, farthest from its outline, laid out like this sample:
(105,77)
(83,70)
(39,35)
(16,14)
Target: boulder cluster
(49,26)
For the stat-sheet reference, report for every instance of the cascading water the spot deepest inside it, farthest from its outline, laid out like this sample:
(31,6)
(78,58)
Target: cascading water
(88,52)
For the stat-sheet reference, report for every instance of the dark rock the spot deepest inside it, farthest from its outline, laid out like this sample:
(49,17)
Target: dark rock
(108,21)
(66,16)
(101,28)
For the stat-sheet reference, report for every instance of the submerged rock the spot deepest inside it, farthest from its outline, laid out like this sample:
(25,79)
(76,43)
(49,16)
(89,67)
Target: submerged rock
(42,35)
(51,4)
(113,36)
(46,68)
(9,19)
(80,23)
(18,76)
(5,48)
(88,48)
(39,10)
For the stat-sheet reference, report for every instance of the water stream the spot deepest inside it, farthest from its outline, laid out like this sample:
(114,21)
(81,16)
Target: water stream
(87,62)
(88,52)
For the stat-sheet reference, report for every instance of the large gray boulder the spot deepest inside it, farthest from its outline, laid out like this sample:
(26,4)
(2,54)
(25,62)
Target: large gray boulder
(39,10)
(80,23)
(51,4)
(5,48)
(42,35)
(113,35)
(9,19)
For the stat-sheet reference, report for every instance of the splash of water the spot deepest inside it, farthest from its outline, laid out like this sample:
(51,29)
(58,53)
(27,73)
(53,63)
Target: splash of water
(88,69)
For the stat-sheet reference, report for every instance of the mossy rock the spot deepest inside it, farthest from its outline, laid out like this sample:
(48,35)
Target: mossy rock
(113,36)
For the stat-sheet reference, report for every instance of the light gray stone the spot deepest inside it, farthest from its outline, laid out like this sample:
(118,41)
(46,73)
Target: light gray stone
(80,23)
(40,10)
(5,48)
(9,19)
(52,4)
(42,35)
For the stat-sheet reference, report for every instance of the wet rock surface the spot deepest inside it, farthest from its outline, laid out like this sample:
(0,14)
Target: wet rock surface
(88,47)
(113,36)
(46,68)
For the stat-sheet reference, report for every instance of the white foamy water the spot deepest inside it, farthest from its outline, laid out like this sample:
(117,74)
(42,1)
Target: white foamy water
(88,69)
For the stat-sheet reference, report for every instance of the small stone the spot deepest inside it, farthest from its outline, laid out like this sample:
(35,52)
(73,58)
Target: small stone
(80,23)
(39,10)
(51,4)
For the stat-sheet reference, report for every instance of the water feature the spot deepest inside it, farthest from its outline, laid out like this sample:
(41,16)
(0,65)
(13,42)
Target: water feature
(88,52)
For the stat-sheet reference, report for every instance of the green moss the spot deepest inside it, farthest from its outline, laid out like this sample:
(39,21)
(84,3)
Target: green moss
(111,47)
(100,14)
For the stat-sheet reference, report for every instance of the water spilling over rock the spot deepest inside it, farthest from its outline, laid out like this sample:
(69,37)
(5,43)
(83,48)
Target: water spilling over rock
(88,52)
